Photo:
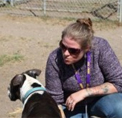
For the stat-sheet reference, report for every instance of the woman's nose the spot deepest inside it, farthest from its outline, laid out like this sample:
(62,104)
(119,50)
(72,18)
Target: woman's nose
(66,53)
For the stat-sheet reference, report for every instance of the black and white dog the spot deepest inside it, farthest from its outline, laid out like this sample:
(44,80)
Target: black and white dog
(37,102)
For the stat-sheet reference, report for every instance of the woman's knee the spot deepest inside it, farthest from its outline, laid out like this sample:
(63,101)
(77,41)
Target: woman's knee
(108,106)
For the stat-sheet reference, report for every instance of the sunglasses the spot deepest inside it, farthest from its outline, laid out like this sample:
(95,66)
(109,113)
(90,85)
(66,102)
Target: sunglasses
(72,51)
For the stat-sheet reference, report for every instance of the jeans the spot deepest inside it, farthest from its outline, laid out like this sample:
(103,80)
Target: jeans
(108,106)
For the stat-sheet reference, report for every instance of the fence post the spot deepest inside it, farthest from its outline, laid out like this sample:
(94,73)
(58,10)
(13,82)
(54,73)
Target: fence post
(44,6)
(120,19)
(12,2)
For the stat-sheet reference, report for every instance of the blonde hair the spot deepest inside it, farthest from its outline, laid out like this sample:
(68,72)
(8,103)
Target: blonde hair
(80,31)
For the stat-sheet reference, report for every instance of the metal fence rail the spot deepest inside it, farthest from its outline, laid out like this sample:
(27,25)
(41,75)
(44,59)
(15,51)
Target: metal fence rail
(97,9)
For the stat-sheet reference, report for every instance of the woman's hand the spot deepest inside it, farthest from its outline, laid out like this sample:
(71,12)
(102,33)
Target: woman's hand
(103,89)
(74,98)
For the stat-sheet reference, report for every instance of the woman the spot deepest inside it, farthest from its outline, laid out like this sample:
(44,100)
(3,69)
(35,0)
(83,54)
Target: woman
(84,75)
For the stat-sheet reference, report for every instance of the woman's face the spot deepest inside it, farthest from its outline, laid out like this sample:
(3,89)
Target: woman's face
(71,50)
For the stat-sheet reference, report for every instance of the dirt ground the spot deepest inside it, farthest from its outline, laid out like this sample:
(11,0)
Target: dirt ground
(33,39)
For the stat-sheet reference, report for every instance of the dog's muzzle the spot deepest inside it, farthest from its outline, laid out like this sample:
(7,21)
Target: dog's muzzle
(9,93)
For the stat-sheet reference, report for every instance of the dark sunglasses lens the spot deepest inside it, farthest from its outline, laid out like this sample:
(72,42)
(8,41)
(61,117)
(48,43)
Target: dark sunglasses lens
(74,51)
(62,46)
(70,50)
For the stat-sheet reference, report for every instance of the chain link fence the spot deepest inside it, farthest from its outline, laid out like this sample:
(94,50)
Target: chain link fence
(95,9)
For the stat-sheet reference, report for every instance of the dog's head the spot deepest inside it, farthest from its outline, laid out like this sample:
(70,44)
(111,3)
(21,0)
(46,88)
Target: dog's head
(21,83)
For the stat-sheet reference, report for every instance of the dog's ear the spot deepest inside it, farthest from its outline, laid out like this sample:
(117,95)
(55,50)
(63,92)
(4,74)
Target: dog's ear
(18,80)
(15,85)
(33,72)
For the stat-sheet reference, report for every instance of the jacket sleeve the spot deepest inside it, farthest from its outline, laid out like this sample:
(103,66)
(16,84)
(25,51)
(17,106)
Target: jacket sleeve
(53,82)
(110,65)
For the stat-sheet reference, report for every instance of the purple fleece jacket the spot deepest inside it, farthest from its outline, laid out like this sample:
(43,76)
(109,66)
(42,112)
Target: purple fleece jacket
(105,67)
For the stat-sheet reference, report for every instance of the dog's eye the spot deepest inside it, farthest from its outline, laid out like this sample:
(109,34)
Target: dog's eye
(35,85)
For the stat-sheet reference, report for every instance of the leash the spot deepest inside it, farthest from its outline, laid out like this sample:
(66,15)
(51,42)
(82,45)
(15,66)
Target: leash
(31,91)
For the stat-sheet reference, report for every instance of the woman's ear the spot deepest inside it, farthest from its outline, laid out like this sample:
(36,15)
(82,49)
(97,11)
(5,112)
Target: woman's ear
(87,49)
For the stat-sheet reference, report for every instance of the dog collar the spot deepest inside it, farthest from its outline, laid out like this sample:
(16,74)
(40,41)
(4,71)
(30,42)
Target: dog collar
(31,91)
